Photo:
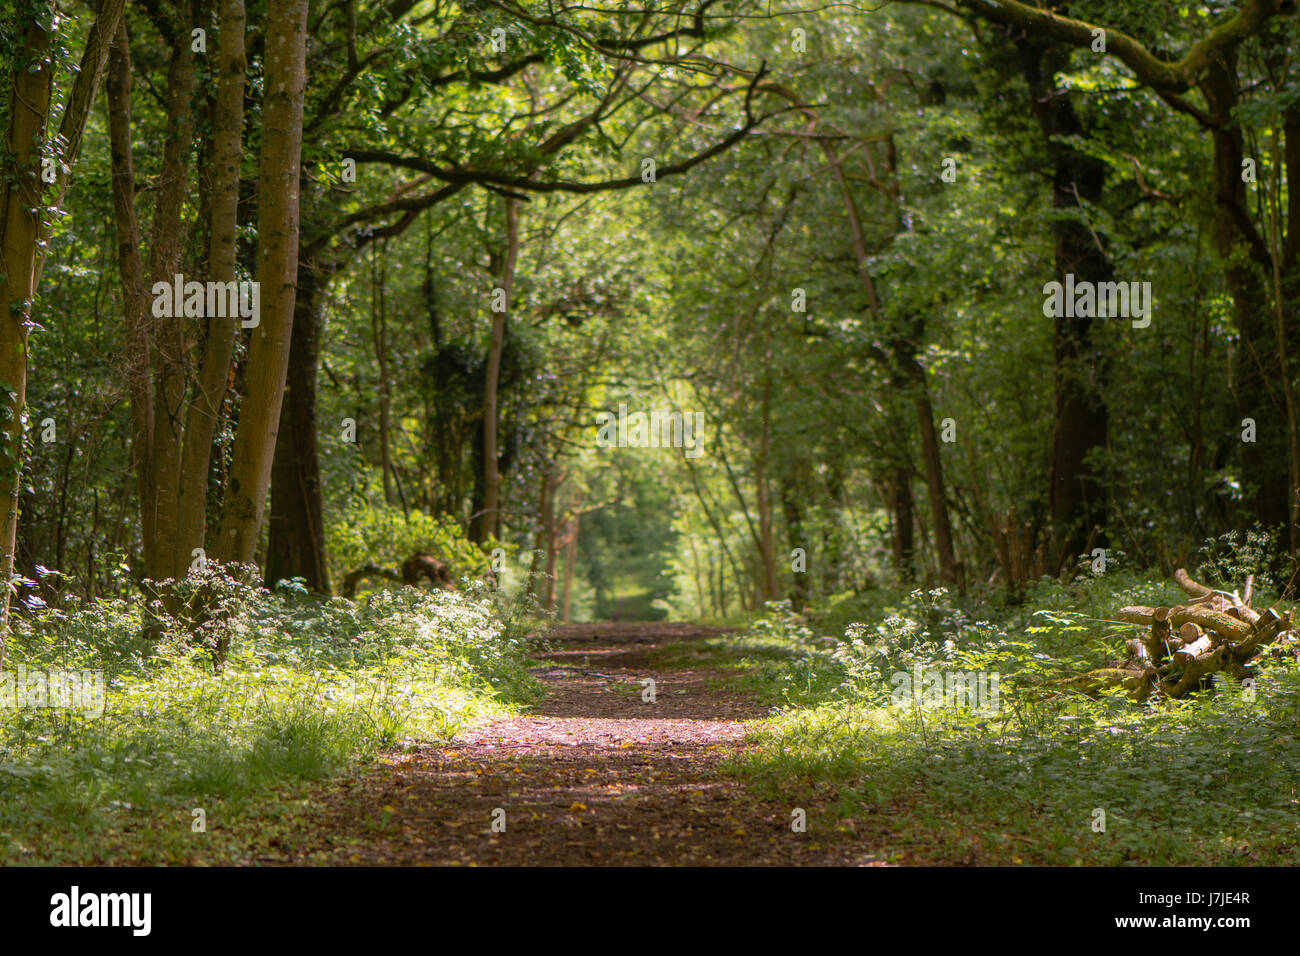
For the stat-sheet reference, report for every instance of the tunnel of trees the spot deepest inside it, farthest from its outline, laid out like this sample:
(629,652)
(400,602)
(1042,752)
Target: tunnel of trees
(639,312)
(830,234)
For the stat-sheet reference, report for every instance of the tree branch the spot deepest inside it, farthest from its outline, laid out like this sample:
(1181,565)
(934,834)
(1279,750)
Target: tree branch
(488,178)
(1161,75)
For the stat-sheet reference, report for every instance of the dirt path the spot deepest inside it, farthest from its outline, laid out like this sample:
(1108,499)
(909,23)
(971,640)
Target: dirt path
(595,775)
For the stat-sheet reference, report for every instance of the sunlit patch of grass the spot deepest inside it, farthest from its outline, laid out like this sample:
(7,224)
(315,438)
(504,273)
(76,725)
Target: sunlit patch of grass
(770,668)
(1212,783)
(1047,778)
(312,690)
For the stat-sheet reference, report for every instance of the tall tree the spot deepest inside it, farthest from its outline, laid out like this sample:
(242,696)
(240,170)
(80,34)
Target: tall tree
(1210,66)
(32,164)
(277,270)
(487,522)
(204,412)
(295,524)
(156,351)
(1077,496)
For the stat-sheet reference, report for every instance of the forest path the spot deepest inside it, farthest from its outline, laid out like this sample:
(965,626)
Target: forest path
(593,775)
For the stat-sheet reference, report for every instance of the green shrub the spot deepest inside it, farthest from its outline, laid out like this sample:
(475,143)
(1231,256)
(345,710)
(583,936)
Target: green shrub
(365,532)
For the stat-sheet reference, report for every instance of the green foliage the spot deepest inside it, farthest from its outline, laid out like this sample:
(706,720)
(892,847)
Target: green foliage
(311,688)
(368,532)
(1022,784)
(1203,784)
(1230,558)
(678,294)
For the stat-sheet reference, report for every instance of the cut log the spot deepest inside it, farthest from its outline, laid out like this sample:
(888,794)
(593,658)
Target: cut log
(1184,644)
(1194,671)
(1161,641)
(1136,614)
(1265,632)
(1227,628)
(1196,649)
(1193,589)
(1227,602)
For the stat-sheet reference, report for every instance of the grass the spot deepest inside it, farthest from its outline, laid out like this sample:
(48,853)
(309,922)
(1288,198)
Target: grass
(188,766)
(1046,778)
(773,669)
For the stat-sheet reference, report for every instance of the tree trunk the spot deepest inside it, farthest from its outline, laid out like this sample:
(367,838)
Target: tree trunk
(295,525)
(718,572)
(204,413)
(277,271)
(548,532)
(1247,263)
(701,607)
(570,562)
(379,333)
(166,246)
(757,578)
(487,521)
(22,201)
(905,355)
(904,520)
(1077,495)
(794,530)
(767,546)
(135,302)
(539,540)
(832,551)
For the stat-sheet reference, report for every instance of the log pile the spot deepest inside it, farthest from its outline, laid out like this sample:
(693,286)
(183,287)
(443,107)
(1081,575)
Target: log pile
(1215,631)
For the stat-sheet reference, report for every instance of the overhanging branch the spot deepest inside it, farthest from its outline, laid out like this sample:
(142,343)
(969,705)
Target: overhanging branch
(1161,75)
(460,175)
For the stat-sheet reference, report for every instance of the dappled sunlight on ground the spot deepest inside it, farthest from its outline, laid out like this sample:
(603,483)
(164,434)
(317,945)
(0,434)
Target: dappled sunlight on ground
(596,774)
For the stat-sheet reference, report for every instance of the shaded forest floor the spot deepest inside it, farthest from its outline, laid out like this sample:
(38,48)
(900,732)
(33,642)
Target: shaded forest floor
(594,775)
